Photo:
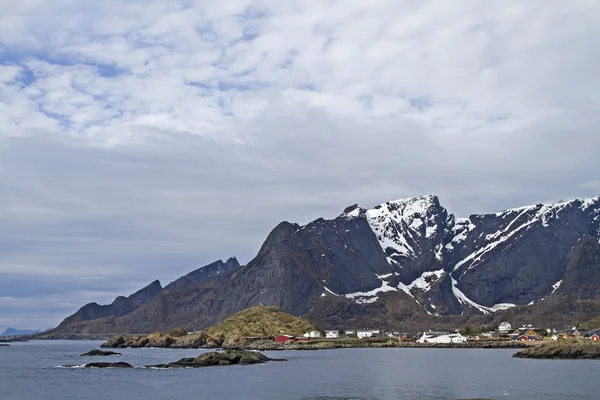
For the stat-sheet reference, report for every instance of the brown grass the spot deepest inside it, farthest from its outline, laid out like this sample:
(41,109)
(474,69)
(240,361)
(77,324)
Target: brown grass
(260,322)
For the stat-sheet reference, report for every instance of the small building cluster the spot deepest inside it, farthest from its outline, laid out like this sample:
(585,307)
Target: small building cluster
(340,334)
(504,331)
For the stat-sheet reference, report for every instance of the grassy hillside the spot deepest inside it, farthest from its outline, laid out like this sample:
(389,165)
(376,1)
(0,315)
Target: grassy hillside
(259,321)
(592,324)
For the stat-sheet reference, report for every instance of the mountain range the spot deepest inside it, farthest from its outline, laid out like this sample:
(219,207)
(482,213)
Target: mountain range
(406,264)
(22,332)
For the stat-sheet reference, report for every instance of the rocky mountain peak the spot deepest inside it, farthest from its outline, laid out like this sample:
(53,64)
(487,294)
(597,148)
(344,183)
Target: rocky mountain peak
(409,257)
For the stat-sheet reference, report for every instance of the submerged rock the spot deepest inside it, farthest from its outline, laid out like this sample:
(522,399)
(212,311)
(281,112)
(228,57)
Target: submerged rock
(94,353)
(229,357)
(108,365)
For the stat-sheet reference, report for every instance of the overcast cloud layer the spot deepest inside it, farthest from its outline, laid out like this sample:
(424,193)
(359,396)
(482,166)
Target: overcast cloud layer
(141,139)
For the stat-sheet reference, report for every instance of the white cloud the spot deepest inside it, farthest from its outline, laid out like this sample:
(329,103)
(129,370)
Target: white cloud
(154,134)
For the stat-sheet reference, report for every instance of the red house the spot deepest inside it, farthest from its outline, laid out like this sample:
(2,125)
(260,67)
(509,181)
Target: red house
(595,337)
(283,338)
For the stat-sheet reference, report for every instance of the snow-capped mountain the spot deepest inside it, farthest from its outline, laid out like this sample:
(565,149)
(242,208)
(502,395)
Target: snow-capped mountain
(398,263)
(489,262)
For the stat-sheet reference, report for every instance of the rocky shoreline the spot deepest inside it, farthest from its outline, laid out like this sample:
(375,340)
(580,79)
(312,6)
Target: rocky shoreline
(163,340)
(563,350)
(268,345)
(201,341)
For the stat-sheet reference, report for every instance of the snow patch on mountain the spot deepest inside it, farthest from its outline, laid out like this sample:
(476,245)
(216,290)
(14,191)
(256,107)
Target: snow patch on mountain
(397,223)
(328,291)
(424,281)
(502,306)
(556,286)
(460,232)
(462,299)
(587,203)
(371,295)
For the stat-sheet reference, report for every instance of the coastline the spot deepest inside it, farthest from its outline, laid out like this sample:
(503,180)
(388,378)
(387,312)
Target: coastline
(271,346)
(157,340)
(563,350)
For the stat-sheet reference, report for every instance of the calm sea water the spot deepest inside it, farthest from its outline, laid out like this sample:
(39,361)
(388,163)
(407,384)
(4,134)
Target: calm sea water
(28,371)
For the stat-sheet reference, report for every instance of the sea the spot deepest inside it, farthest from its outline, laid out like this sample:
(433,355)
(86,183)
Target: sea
(35,370)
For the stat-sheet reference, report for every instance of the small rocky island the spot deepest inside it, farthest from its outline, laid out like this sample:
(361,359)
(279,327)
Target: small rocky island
(215,358)
(4,345)
(99,353)
(254,322)
(108,365)
(563,350)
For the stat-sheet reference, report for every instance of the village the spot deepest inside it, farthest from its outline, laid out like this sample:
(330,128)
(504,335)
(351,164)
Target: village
(504,332)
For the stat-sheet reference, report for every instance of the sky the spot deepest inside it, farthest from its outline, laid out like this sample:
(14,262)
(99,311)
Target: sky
(140,140)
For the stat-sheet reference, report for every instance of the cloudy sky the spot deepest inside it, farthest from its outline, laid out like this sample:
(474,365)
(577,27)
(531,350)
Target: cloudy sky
(141,139)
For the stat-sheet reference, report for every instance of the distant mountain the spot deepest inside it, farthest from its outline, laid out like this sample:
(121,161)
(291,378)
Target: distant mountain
(122,306)
(21,332)
(406,263)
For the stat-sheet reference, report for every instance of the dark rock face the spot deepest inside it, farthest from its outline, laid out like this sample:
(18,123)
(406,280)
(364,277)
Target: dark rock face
(101,318)
(230,357)
(108,365)
(119,307)
(98,353)
(516,256)
(202,274)
(403,261)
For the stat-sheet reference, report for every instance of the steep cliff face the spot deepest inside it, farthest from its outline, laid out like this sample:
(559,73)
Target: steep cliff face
(400,262)
(519,256)
(202,274)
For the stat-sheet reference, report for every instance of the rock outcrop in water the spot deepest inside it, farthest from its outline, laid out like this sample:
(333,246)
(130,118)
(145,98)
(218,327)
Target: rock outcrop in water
(99,353)
(563,350)
(230,357)
(108,365)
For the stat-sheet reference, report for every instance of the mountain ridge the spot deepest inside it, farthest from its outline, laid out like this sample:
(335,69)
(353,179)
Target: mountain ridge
(21,332)
(403,260)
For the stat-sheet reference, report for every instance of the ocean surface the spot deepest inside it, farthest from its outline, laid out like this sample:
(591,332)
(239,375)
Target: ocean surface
(30,371)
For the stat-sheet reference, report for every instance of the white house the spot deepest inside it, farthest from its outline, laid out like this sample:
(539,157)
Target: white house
(554,337)
(350,333)
(332,334)
(504,327)
(312,334)
(441,337)
(368,333)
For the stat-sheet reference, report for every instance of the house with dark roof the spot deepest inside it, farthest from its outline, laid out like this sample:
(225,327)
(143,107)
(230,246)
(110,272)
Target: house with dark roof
(524,335)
